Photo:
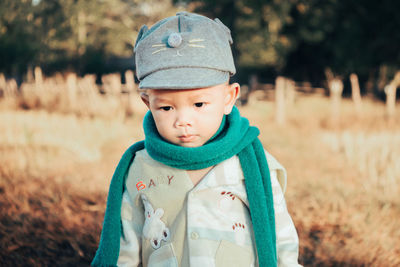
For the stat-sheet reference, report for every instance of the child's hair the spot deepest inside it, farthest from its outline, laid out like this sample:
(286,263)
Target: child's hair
(183,52)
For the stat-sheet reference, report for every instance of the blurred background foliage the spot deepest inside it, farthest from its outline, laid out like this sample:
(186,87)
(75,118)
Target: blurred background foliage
(77,35)
(295,38)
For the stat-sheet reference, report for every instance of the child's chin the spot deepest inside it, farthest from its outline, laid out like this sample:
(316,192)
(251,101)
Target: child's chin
(190,144)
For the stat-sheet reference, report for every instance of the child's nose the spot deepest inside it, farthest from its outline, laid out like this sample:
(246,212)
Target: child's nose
(183,119)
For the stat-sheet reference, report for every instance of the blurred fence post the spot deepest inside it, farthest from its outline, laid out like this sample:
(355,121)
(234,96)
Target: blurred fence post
(129,94)
(38,78)
(280,100)
(2,82)
(390,91)
(383,77)
(72,89)
(129,81)
(11,89)
(244,95)
(253,82)
(355,92)
(336,89)
(112,83)
(290,92)
(335,85)
(91,91)
(29,75)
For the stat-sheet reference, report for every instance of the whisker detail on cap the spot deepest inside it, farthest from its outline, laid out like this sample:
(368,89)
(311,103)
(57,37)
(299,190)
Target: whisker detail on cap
(156,45)
(196,40)
(193,45)
(159,50)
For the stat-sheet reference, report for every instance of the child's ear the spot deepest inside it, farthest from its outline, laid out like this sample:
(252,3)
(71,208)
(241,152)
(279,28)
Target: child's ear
(233,91)
(145,99)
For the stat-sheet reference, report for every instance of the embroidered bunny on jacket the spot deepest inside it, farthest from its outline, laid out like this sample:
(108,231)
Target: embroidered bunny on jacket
(154,229)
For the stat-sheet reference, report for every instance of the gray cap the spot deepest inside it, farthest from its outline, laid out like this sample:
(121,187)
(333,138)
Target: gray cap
(185,51)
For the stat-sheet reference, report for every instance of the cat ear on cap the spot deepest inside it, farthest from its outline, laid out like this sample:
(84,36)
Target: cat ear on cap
(226,29)
(142,31)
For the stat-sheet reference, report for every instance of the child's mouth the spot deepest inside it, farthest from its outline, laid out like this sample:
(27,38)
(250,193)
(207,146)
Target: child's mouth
(187,138)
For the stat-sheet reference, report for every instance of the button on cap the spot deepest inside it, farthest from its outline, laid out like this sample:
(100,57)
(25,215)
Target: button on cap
(174,40)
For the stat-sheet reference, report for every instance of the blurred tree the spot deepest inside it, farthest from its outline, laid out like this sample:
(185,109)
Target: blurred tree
(92,31)
(347,36)
(255,26)
(296,38)
(18,41)
(301,38)
(75,34)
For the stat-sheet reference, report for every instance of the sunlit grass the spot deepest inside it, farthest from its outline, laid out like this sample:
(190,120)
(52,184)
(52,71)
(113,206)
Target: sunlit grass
(343,180)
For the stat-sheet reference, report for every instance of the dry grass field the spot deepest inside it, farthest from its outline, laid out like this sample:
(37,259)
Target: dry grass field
(343,188)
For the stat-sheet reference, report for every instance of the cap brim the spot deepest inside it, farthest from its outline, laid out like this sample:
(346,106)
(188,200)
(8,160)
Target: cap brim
(184,78)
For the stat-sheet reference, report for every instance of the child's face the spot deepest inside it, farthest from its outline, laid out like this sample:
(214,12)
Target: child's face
(190,117)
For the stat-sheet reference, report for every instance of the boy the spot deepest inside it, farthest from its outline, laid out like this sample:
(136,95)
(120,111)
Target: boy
(198,191)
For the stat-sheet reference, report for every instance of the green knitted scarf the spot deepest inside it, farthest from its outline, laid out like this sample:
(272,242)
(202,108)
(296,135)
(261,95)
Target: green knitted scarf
(235,137)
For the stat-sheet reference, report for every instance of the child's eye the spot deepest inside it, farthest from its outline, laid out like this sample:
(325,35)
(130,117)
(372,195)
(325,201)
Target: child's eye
(199,105)
(166,108)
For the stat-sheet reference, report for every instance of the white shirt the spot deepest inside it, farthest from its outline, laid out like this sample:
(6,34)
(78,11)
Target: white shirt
(167,221)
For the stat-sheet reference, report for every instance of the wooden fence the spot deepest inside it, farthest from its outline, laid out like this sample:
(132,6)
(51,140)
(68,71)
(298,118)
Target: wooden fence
(69,93)
(285,91)
(81,95)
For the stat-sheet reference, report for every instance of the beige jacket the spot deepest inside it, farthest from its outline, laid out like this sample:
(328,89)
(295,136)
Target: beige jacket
(167,221)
